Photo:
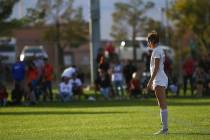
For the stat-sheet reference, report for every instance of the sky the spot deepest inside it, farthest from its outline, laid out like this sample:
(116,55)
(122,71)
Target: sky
(107,8)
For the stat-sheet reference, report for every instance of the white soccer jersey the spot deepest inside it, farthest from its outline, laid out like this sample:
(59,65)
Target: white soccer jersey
(160,79)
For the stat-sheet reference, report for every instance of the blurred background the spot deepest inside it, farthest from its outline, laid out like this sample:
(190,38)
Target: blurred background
(78,32)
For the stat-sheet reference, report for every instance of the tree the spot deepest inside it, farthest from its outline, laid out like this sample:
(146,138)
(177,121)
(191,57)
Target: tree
(193,16)
(68,27)
(6,7)
(129,15)
(150,24)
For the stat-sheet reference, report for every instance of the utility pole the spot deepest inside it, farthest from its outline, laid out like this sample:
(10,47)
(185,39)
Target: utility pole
(94,27)
(58,49)
(167,24)
(20,9)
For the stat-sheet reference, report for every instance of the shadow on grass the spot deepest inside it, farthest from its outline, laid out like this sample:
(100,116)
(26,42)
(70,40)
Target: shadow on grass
(124,103)
(62,113)
(191,133)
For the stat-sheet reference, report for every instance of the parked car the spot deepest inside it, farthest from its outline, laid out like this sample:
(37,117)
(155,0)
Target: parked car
(29,52)
(125,51)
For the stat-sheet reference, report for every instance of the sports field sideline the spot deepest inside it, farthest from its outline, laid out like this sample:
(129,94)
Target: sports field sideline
(189,119)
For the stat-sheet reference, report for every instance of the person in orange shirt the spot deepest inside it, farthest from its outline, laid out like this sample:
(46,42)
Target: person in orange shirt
(32,77)
(48,77)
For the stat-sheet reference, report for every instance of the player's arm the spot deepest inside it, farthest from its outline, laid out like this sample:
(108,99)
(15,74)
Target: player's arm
(156,68)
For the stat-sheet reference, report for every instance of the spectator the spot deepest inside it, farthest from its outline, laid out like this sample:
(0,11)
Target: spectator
(188,70)
(17,94)
(39,63)
(103,64)
(99,55)
(18,74)
(68,72)
(81,75)
(146,59)
(65,89)
(3,95)
(168,70)
(168,66)
(77,87)
(207,84)
(135,89)
(32,77)
(204,63)
(199,77)
(174,87)
(104,83)
(110,50)
(117,78)
(48,77)
(2,71)
(5,71)
(128,70)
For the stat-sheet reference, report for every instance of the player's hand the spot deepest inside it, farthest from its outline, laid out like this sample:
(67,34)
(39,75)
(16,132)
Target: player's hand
(149,85)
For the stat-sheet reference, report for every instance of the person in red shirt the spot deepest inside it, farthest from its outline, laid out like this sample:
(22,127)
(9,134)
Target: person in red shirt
(134,87)
(188,70)
(3,95)
(32,74)
(110,50)
(32,77)
(48,77)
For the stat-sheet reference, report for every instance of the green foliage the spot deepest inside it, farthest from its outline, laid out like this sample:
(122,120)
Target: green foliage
(6,26)
(6,7)
(127,20)
(128,17)
(35,16)
(192,16)
(102,120)
(73,30)
(76,33)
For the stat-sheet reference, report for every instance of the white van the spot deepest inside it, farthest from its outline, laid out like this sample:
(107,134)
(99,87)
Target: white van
(32,51)
(125,50)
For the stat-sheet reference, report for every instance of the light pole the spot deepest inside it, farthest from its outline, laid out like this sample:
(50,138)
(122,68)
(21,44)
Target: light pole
(167,24)
(94,36)
(162,10)
(21,8)
(58,50)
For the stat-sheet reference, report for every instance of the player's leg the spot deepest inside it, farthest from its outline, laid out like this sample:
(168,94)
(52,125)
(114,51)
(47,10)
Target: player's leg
(161,98)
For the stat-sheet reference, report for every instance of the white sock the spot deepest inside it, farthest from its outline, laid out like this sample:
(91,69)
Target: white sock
(164,118)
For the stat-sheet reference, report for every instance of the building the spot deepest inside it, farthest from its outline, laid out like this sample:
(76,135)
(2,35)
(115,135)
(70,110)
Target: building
(34,36)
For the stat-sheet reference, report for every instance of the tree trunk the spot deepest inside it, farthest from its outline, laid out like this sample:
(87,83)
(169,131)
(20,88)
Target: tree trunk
(58,45)
(134,44)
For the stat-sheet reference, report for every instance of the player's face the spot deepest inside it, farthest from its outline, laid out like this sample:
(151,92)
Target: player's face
(149,44)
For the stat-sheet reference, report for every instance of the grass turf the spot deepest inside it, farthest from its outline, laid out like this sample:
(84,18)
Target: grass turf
(106,120)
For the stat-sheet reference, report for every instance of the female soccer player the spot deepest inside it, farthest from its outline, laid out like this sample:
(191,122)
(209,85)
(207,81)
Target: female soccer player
(158,81)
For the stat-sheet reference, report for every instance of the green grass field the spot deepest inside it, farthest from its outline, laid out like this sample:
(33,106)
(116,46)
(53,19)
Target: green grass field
(189,119)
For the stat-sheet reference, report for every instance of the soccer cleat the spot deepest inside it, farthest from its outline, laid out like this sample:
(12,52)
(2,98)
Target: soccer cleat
(162,132)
